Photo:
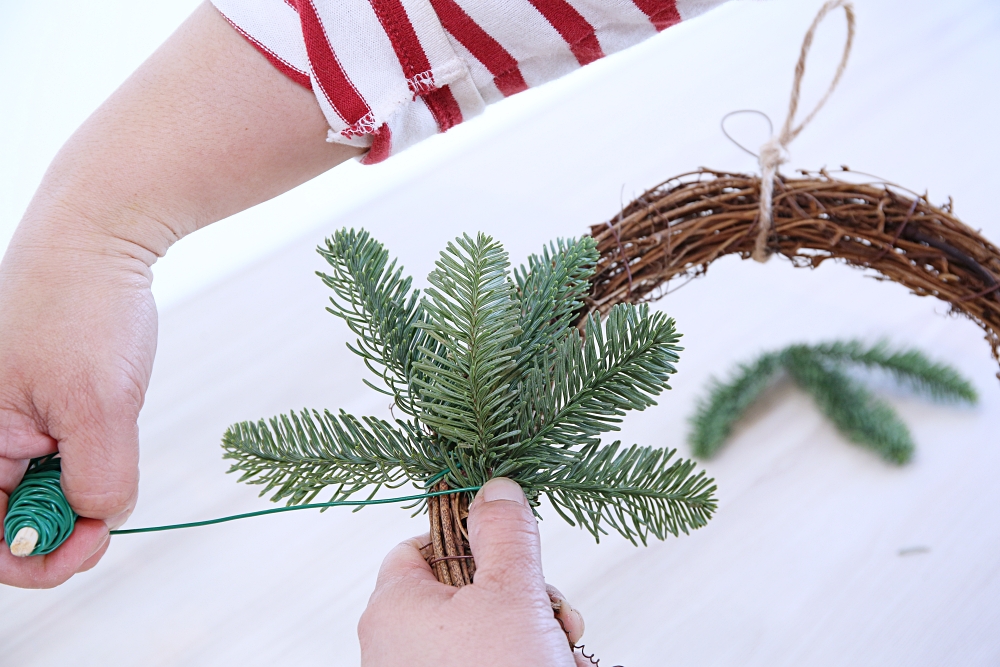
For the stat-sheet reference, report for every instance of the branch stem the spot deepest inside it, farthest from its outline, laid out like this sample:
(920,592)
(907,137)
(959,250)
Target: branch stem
(437,540)
(452,558)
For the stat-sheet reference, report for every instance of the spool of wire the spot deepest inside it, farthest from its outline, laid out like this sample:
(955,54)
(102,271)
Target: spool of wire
(39,517)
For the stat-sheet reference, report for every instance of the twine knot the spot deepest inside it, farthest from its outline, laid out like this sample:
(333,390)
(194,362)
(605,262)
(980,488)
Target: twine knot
(773,153)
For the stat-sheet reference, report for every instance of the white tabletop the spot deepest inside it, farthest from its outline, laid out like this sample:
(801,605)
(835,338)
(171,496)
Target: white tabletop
(820,554)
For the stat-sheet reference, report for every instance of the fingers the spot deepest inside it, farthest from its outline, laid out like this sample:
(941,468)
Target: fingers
(87,543)
(20,437)
(20,441)
(405,584)
(406,562)
(89,540)
(569,618)
(95,432)
(93,560)
(504,538)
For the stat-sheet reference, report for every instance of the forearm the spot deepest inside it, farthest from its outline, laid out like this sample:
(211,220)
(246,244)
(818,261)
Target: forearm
(204,129)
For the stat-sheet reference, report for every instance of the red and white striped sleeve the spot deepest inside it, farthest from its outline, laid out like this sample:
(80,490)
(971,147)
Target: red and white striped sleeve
(388,73)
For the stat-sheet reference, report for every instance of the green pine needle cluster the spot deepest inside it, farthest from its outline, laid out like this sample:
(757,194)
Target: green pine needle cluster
(822,370)
(491,378)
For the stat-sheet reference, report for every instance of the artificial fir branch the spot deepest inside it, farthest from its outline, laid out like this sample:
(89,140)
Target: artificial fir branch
(375,301)
(821,370)
(908,367)
(716,415)
(618,367)
(296,456)
(854,410)
(465,388)
(614,487)
(497,381)
(551,289)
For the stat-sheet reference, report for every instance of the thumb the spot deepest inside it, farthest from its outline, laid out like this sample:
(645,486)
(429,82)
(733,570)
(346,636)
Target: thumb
(98,438)
(504,538)
(100,467)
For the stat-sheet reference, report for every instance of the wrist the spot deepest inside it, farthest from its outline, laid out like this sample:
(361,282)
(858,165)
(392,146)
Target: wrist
(89,229)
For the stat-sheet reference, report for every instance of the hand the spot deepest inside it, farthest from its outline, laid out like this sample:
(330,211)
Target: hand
(77,338)
(504,618)
(204,129)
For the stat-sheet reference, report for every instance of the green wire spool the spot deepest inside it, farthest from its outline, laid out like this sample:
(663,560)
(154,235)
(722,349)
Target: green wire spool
(39,517)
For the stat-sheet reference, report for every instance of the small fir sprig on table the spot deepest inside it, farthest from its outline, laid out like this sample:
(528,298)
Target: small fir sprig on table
(823,371)
(492,379)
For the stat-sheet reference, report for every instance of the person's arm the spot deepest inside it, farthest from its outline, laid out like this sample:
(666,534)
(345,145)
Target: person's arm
(204,129)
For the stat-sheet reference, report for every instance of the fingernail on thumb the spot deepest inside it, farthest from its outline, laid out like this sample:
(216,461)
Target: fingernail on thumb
(100,544)
(501,488)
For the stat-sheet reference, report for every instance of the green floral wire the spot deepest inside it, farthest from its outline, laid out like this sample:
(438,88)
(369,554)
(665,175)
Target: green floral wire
(39,502)
(292,508)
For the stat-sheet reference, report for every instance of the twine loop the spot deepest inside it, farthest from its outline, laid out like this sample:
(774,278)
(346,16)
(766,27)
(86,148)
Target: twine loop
(774,151)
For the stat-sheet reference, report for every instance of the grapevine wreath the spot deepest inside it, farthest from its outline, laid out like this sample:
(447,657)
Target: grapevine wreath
(678,228)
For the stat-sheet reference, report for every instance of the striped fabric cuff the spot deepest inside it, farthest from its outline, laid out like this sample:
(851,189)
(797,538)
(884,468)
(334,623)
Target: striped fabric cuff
(389,73)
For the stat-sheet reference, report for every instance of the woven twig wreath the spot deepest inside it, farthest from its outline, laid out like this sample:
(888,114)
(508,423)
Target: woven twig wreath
(678,228)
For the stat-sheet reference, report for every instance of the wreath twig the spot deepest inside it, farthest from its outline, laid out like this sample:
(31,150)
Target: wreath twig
(678,228)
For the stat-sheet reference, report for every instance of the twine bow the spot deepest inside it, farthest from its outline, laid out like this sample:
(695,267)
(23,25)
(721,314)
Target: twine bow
(772,153)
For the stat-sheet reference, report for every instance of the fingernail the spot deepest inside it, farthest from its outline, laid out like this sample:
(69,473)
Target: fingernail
(100,545)
(581,624)
(117,521)
(501,488)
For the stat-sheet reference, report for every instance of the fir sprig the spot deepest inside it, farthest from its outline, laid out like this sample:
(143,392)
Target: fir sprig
(296,456)
(465,382)
(634,491)
(497,381)
(375,301)
(822,371)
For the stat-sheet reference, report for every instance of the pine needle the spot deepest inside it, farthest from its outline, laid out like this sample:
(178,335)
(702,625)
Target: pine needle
(821,370)
(497,381)
(855,411)
(717,414)
(910,368)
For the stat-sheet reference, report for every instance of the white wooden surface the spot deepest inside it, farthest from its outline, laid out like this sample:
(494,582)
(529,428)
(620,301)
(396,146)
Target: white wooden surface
(802,564)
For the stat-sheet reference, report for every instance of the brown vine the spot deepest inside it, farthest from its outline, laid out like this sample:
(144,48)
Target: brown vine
(678,228)
(449,554)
